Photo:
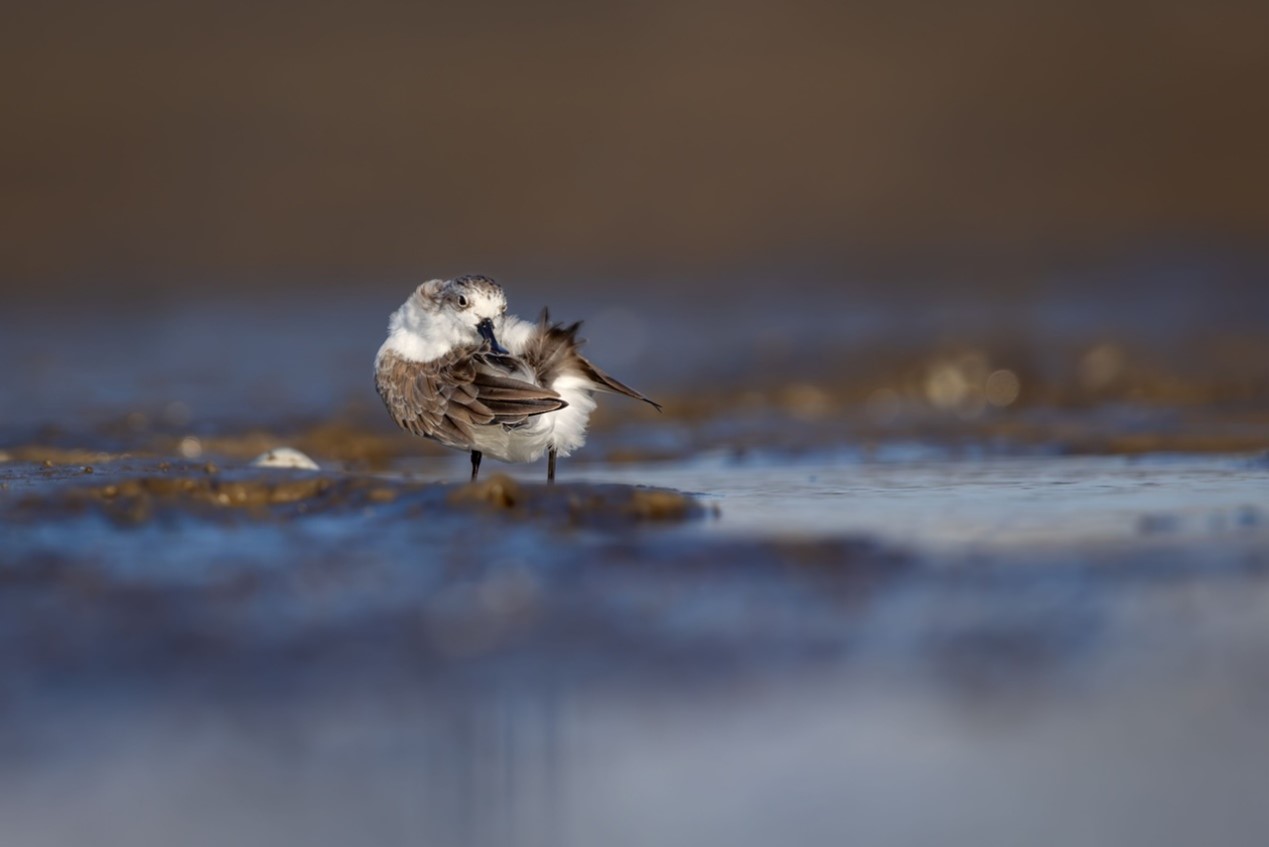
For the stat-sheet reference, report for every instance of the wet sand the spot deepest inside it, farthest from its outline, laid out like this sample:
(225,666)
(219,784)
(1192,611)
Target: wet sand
(898,604)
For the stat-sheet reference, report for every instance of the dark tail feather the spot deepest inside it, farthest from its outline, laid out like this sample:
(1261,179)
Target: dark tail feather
(598,377)
(561,342)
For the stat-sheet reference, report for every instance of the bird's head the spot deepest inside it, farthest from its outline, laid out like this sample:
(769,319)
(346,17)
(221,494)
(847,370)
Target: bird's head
(464,310)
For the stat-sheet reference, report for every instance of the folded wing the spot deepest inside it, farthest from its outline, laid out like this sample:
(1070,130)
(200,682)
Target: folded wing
(447,398)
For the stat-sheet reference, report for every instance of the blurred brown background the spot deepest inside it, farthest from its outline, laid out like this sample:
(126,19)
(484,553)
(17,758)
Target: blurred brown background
(149,143)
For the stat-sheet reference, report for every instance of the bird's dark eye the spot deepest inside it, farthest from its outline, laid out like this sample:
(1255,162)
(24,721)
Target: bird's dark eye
(462,302)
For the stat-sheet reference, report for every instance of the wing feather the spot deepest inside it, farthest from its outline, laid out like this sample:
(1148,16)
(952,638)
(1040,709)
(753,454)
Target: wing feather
(447,398)
(554,350)
(595,375)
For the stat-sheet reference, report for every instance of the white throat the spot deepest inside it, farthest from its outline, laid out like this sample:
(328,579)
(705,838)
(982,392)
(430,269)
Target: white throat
(419,336)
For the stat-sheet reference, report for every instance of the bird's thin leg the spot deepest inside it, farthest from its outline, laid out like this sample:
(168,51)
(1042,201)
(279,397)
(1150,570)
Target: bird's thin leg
(550,466)
(475,464)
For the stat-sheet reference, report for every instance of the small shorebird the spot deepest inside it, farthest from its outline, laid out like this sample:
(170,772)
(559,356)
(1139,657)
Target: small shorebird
(458,369)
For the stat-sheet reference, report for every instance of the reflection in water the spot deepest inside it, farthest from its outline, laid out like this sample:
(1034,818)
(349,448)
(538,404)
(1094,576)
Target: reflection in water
(860,756)
(490,771)
(380,766)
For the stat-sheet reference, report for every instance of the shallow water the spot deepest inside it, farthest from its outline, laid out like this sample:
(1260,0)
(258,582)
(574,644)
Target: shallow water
(1027,649)
(998,504)
(769,616)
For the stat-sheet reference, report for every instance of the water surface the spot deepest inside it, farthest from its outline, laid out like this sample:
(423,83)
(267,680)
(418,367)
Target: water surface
(822,613)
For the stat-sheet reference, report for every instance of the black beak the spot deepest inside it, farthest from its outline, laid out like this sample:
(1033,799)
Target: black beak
(485,328)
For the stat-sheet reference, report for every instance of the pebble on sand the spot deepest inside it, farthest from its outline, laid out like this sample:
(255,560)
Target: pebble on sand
(284,457)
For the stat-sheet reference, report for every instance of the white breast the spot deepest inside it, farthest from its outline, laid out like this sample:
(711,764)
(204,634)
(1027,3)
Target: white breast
(570,422)
(564,430)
